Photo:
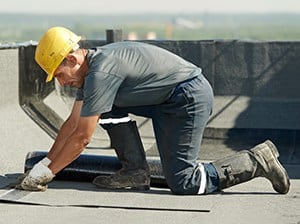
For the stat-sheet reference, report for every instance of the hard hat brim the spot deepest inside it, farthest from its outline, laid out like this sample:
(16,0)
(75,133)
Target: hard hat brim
(49,77)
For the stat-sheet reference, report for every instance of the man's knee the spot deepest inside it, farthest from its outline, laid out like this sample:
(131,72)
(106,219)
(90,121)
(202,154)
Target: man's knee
(181,189)
(191,181)
(181,185)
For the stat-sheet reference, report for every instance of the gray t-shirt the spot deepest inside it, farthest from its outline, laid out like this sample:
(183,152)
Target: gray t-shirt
(131,74)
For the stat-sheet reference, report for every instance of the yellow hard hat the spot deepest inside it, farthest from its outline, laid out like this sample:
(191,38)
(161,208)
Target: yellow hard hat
(53,47)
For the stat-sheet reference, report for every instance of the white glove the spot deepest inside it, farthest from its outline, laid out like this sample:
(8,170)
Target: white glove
(38,177)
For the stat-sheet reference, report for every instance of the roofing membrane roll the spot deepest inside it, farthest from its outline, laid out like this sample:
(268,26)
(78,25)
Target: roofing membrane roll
(86,167)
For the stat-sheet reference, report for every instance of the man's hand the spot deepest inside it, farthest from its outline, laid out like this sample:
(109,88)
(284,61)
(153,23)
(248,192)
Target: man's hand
(38,177)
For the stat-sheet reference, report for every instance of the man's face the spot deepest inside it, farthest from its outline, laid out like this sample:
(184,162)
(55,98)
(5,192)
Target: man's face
(67,74)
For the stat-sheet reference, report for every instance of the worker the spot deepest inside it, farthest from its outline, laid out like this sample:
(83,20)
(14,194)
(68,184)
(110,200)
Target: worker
(124,78)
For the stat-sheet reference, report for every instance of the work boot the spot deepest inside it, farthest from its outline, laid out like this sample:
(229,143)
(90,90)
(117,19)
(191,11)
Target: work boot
(260,161)
(135,173)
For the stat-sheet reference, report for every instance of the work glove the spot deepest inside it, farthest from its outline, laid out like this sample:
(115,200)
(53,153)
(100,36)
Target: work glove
(38,177)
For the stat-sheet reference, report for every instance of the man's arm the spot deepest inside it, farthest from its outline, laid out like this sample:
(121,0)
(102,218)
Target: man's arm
(75,143)
(66,130)
(73,137)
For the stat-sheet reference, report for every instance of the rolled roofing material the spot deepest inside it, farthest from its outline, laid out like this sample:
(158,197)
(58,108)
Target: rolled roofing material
(86,167)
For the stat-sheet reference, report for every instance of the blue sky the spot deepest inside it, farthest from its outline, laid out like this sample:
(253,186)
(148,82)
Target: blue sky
(142,6)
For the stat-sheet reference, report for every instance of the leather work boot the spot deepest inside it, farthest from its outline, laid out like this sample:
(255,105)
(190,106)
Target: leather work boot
(135,173)
(260,161)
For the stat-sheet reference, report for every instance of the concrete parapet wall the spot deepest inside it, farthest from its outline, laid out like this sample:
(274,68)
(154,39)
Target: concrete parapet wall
(255,69)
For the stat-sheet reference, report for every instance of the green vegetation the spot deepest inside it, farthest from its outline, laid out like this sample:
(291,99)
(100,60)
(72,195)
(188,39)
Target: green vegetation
(271,27)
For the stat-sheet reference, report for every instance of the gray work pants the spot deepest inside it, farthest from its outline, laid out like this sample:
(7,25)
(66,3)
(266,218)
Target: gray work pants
(178,126)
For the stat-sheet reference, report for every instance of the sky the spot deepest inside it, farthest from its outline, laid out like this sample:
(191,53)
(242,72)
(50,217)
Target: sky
(101,7)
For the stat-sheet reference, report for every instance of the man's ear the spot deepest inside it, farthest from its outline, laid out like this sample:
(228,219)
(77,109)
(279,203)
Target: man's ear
(71,60)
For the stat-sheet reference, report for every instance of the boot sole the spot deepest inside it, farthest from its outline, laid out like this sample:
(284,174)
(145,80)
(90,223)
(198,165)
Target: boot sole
(141,187)
(135,188)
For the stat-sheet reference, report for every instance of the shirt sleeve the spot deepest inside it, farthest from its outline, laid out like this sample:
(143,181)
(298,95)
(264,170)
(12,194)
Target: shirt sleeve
(99,92)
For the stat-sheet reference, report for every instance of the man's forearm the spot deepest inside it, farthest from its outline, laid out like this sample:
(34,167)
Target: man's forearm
(71,147)
(65,131)
(71,150)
